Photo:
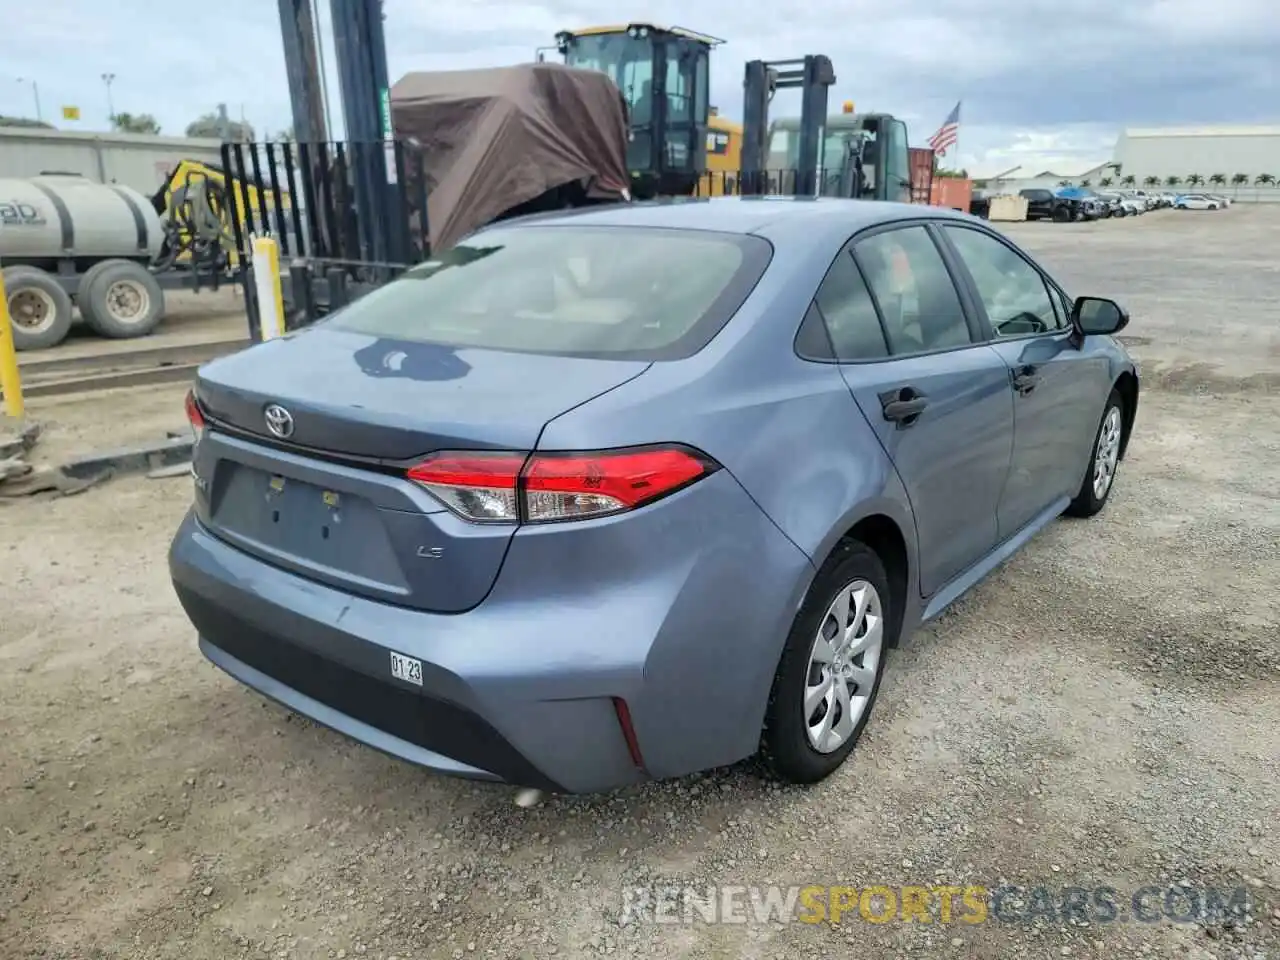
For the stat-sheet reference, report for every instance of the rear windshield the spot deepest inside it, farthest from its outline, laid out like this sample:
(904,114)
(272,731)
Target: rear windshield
(609,292)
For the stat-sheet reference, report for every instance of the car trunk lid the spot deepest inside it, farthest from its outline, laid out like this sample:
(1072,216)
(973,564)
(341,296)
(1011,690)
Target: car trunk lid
(327,496)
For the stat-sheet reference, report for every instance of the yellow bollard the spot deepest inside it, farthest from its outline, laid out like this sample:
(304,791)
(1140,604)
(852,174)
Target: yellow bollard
(10,379)
(266,283)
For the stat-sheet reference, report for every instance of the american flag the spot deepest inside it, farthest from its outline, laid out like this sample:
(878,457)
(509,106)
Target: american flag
(948,133)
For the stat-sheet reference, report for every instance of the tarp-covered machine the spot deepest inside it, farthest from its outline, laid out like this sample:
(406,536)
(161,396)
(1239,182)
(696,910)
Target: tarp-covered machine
(512,140)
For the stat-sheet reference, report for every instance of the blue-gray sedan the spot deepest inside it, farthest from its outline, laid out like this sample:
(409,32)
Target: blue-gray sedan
(626,493)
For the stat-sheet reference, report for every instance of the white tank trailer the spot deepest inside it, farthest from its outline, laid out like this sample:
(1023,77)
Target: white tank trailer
(67,240)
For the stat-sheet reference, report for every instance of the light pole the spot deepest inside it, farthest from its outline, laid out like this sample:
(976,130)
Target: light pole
(107,78)
(35,93)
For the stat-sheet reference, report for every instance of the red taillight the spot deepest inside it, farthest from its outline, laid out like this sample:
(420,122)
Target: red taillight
(509,487)
(628,731)
(195,416)
(477,486)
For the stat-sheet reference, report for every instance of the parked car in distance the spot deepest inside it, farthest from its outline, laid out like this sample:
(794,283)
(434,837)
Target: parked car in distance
(1085,204)
(1222,201)
(1123,206)
(629,492)
(1196,201)
(1112,205)
(980,204)
(1148,201)
(1044,204)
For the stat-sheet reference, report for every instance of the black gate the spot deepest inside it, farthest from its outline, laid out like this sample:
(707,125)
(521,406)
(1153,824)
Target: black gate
(347,217)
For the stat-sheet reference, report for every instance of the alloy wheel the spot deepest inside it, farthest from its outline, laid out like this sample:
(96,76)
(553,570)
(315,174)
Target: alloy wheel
(843,664)
(1108,455)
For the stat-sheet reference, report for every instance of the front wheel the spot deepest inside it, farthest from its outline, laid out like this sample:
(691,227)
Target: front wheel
(1100,476)
(830,670)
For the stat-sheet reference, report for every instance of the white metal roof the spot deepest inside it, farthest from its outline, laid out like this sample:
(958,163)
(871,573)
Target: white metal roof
(1226,130)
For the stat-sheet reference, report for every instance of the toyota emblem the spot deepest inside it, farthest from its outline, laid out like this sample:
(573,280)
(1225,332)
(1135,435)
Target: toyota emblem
(279,421)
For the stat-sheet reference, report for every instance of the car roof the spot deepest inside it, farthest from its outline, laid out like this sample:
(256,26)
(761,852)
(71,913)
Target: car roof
(822,218)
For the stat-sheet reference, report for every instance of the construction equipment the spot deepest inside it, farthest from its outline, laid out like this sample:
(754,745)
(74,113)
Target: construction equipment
(724,156)
(512,140)
(663,73)
(813,75)
(71,242)
(863,156)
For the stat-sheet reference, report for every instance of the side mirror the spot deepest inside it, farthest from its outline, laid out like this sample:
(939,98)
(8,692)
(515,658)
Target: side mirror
(1098,316)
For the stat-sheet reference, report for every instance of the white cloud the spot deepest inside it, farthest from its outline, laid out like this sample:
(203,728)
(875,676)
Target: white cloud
(1050,82)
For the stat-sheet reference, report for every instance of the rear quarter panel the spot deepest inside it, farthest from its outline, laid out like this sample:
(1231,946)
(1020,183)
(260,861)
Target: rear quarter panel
(787,430)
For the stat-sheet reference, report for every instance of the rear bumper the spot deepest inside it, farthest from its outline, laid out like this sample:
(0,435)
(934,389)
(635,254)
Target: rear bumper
(685,625)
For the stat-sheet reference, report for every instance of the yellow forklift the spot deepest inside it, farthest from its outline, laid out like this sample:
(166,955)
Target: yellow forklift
(664,76)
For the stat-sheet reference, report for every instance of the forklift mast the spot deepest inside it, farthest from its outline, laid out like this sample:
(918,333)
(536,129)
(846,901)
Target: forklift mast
(365,88)
(812,75)
(664,76)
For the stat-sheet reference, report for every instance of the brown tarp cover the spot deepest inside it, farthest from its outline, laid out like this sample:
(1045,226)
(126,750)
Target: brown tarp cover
(492,139)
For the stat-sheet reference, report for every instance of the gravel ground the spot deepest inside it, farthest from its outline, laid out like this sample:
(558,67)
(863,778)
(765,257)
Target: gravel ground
(1102,712)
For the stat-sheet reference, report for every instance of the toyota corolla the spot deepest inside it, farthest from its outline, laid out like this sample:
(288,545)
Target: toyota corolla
(627,493)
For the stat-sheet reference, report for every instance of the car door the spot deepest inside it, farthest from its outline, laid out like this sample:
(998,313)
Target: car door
(1059,388)
(1037,204)
(940,403)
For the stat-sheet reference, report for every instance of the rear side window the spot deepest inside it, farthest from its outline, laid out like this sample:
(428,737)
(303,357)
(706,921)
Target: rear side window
(608,292)
(850,313)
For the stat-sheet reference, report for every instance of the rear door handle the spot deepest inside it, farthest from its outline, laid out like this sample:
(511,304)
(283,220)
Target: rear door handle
(1025,379)
(903,405)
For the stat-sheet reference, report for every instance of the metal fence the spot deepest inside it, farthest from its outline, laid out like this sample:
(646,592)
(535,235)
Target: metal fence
(340,231)
(782,182)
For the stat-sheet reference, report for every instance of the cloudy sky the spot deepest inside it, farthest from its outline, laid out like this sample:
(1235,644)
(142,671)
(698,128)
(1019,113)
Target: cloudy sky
(1043,84)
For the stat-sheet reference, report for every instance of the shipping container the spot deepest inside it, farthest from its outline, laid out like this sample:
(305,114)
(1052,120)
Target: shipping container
(921,164)
(952,193)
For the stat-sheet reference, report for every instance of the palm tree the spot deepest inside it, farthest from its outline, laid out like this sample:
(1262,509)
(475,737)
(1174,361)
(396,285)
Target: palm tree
(1218,179)
(1264,179)
(1194,180)
(1129,180)
(1064,183)
(1105,182)
(1151,181)
(1172,181)
(1238,180)
(1086,183)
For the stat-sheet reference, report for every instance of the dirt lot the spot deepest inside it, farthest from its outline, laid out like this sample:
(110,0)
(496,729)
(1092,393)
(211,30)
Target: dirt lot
(1103,712)
(188,318)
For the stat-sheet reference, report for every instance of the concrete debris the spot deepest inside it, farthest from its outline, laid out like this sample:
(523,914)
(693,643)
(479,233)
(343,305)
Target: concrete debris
(172,470)
(18,478)
(15,447)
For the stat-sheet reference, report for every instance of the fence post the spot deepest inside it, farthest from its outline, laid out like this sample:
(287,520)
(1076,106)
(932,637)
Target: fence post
(10,379)
(266,284)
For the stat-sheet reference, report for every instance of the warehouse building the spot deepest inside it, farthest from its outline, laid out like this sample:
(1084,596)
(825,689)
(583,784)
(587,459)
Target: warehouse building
(1184,151)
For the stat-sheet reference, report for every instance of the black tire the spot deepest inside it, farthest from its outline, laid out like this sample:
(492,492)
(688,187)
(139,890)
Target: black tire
(1087,501)
(1061,214)
(785,750)
(39,309)
(122,301)
(82,297)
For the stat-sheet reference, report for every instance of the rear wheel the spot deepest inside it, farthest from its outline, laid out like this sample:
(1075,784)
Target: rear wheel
(830,670)
(82,297)
(1061,214)
(121,299)
(39,309)
(1100,476)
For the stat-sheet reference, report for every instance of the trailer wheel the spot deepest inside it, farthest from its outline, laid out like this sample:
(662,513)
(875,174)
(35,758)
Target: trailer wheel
(39,309)
(82,297)
(121,299)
